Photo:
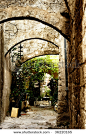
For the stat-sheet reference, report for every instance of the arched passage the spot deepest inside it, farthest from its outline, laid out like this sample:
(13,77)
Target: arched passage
(7,54)
(25,29)
(46,18)
(28,40)
(34,55)
(57,26)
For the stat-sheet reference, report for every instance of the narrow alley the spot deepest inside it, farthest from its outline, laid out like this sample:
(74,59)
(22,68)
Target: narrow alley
(33,118)
(42,64)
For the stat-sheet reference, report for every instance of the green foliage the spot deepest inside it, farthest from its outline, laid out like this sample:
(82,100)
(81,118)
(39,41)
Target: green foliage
(32,71)
(40,65)
(39,98)
(17,87)
(47,90)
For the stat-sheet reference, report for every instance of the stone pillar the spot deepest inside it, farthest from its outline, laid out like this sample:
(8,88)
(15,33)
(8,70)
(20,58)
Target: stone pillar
(63,116)
(5,78)
(1,69)
(7,85)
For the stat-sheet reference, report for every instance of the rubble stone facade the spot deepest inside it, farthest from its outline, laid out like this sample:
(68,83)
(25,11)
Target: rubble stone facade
(77,58)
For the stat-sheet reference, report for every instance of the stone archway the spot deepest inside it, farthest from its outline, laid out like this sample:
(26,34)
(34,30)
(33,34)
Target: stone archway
(50,19)
(45,51)
(32,39)
(48,22)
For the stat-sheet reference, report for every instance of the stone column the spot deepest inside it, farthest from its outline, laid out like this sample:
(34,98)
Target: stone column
(7,85)
(63,116)
(1,69)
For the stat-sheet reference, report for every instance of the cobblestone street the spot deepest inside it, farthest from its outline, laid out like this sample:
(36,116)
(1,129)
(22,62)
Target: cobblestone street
(34,118)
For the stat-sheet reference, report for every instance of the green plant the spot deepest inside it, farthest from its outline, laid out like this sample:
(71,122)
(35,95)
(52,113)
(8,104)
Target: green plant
(39,98)
(32,71)
(47,90)
(51,98)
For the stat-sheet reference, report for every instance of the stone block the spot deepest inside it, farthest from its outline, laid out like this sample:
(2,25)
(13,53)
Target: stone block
(73,62)
(79,55)
(82,98)
(62,95)
(62,109)
(82,75)
(61,88)
(62,103)
(70,78)
(73,99)
(77,74)
(77,90)
(85,99)
(74,77)
(82,119)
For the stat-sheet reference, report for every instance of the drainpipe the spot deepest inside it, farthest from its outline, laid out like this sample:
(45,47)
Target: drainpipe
(66,73)
(1,70)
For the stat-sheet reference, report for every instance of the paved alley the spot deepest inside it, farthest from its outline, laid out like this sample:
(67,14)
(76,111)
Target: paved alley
(34,118)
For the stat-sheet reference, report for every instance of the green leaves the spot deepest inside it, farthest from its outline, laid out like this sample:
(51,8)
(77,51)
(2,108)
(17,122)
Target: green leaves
(31,71)
(41,64)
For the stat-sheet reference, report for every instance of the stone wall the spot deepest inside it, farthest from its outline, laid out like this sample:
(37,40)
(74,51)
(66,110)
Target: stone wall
(63,111)
(50,5)
(83,69)
(76,74)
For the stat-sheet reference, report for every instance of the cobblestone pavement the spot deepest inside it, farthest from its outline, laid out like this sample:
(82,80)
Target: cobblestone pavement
(34,118)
